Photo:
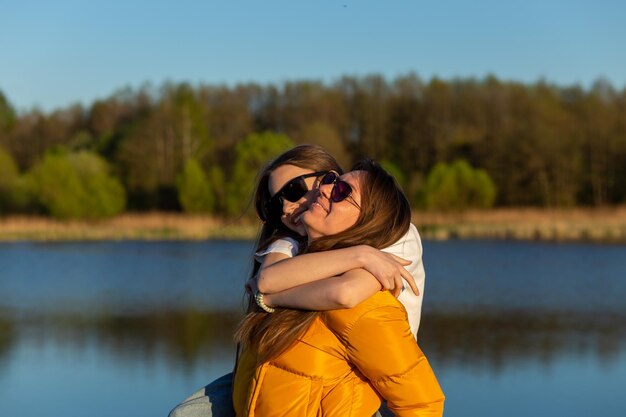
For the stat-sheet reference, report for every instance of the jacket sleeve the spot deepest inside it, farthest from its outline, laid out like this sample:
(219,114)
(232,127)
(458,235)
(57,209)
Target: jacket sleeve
(380,344)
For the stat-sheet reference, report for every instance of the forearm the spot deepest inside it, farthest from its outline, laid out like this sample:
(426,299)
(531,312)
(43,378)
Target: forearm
(309,267)
(327,294)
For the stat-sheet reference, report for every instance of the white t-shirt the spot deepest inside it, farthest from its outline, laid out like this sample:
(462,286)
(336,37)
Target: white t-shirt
(286,246)
(408,247)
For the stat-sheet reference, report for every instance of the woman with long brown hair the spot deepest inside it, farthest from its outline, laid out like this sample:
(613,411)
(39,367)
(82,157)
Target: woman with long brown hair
(338,362)
(285,188)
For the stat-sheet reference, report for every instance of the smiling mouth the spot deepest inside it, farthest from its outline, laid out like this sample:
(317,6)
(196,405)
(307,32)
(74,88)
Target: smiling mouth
(320,205)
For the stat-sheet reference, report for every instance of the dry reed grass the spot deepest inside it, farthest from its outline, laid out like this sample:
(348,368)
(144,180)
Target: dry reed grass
(145,226)
(607,224)
(600,225)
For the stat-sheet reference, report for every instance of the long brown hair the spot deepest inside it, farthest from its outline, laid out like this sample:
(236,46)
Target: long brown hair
(311,157)
(384,218)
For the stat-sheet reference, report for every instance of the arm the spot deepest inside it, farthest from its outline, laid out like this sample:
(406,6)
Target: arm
(269,259)
(404,377)
(387,268)
(344,291)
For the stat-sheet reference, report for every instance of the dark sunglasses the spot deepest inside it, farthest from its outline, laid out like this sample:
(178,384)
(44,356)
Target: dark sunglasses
(293,191)
(341,189)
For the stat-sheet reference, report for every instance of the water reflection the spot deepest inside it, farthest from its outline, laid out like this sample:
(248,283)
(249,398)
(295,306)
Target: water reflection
(7,338)
(490,341)
(180,338)
(497,340)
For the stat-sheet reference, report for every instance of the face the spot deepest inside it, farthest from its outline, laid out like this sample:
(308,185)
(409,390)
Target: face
(292,211)
(326,217)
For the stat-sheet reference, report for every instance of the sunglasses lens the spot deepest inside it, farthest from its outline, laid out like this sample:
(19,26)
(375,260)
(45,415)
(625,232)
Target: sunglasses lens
(341,191)
(294,190)
(329,178)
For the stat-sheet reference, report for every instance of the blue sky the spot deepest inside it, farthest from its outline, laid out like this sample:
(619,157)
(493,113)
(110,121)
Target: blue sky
(55,53)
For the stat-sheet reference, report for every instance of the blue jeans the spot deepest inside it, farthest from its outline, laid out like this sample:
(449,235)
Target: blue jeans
(214,400)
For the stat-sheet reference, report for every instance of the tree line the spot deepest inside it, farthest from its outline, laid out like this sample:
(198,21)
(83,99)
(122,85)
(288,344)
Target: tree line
(451,144)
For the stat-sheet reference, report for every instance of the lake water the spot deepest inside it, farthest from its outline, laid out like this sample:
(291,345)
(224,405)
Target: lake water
(131,328)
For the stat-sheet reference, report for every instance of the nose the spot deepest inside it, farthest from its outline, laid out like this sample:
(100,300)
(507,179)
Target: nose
(326,189)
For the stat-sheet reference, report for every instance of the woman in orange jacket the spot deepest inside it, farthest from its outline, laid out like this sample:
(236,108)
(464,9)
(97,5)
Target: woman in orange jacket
(339,362)
(286,187)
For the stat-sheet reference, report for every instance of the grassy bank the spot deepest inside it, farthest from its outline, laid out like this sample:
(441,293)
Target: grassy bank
(147,226)
(597,225)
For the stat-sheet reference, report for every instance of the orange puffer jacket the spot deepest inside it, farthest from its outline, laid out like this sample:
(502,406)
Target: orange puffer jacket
(343,364)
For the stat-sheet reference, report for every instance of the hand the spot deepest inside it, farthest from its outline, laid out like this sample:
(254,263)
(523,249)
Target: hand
(388,269)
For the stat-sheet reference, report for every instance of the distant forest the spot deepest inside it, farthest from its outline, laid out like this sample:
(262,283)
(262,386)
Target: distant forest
(198,148)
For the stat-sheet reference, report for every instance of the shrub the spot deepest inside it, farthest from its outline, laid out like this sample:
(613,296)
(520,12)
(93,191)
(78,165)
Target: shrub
(217,182)
(457,186)
(104,194)
(76,185)
(195,193)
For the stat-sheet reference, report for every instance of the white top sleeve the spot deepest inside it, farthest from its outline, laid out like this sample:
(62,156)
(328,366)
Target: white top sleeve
(409,247)
(286,246)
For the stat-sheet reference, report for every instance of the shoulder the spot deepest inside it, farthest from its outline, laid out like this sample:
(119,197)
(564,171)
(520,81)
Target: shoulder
(287,246)
(380,308)
(410,244)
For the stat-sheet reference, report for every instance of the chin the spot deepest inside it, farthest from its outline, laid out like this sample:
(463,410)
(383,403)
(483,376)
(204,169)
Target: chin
(299,229)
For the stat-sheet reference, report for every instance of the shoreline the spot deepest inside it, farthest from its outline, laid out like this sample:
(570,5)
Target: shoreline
(601,225)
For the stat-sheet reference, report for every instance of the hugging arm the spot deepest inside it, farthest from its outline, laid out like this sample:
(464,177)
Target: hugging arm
(386,268)
(343,291)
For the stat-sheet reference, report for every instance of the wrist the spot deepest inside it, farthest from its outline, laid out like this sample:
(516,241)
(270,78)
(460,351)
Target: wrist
(261,300)
(362,253)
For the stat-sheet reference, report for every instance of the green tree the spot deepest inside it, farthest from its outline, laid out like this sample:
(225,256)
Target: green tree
(484,195)
(57,187)
(542,144)
(457,186)
(154,150)
(251,155)
(326,136)
(217,182)
(104,194)
(8,180)
(7,114)
(194,190)
(76,186)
